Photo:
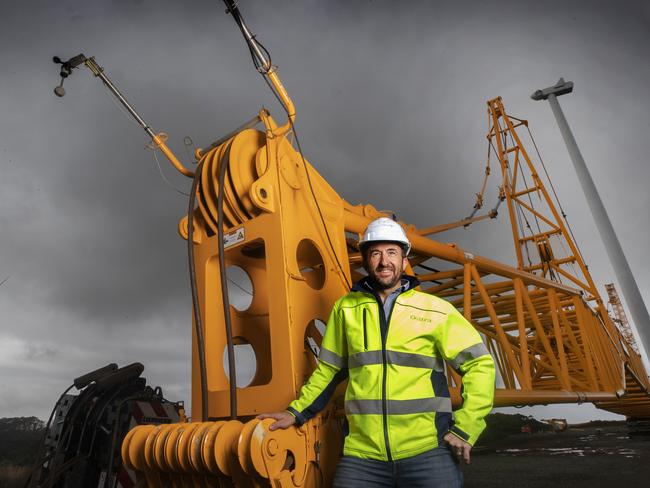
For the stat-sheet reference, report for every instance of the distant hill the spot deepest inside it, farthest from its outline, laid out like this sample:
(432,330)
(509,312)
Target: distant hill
(25,424)
(500,425)
(20,438)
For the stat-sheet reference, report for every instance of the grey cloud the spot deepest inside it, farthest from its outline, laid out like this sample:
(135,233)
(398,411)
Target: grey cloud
(33,351)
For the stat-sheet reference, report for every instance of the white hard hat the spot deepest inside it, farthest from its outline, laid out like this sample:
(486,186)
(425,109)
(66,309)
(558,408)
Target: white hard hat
(384,229)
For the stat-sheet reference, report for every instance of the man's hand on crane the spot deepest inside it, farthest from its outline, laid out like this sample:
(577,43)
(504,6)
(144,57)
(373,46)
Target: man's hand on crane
(283,419)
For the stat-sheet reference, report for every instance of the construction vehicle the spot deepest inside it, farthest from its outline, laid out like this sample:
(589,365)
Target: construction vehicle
(257,205)
(84,431)
(558,425)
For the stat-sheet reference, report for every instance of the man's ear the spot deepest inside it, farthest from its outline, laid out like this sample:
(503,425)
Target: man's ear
(364,262)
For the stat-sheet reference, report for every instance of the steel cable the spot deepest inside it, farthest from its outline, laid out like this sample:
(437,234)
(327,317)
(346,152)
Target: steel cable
(198,325)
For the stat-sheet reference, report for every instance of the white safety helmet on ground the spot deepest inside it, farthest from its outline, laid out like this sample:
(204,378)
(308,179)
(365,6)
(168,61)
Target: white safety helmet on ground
(385,230)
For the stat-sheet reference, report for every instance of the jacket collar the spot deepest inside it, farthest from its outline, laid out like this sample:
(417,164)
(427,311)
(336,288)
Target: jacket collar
(365,284)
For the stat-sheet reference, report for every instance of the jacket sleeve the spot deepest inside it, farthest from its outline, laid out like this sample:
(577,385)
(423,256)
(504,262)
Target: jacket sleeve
(462,347)
(331,370)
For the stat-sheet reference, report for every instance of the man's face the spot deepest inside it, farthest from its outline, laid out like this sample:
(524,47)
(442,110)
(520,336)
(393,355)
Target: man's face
(385,263)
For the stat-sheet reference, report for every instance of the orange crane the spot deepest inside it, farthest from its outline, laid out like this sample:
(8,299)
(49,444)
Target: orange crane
(258,206)
(546,327)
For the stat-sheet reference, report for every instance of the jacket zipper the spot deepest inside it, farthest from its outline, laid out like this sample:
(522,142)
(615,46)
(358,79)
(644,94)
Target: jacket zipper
(384,405)
(365,332)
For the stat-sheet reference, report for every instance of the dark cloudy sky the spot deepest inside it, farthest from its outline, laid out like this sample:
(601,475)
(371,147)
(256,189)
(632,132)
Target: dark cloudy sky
(391,110)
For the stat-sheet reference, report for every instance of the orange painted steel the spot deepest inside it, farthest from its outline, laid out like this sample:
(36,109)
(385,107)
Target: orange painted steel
(296,240)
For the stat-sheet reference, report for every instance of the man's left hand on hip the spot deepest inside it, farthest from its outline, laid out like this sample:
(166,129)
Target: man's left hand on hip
(459,447)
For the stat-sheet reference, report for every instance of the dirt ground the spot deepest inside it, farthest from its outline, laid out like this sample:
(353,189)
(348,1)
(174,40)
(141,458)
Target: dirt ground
(578,457)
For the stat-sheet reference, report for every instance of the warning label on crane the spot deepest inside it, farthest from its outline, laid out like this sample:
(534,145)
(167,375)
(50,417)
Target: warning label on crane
(234,237)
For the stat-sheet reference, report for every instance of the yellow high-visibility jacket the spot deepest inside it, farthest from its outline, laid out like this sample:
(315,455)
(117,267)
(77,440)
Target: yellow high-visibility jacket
(397,400)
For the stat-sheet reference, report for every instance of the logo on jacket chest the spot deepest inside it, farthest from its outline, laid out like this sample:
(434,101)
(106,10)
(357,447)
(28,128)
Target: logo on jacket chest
(420,318)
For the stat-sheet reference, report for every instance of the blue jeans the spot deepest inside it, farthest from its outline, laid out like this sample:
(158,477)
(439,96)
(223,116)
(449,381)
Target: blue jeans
(436,468)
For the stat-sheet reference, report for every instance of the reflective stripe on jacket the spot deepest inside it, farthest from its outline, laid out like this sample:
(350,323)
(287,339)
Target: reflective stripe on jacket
(397,401)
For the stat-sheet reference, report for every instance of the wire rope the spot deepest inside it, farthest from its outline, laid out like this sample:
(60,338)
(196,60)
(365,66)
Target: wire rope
(232,371)
(311,187)
(517,216)
(557,200)
(162,174)
(264,71)
(239,286)
(523,177)
(129,117)
(187,143)
(198,324)
(519,212)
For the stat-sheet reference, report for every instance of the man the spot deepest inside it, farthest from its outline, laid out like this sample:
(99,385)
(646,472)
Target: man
(391,342)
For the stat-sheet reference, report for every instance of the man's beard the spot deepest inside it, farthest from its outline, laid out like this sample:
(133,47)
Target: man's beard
(377,284)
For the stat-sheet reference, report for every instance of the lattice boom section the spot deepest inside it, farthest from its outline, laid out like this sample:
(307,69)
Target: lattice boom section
(542,339)
(551,344)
